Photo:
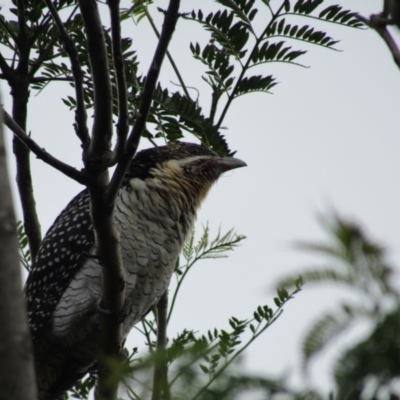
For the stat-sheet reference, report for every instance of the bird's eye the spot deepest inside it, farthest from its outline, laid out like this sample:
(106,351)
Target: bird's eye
(188,170)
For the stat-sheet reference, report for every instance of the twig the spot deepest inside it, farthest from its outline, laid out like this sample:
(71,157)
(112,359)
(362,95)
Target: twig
(102,125)
(20,93)
(42,154)
(170,20)
(123,123)
(50,46)
(97,160)
(80,114)
(379,23)
(170,59)
(160,383)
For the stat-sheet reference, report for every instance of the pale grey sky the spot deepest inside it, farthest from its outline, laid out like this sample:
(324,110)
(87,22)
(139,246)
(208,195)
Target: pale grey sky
(328,138)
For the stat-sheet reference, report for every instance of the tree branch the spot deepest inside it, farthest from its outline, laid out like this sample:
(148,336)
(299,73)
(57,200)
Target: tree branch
(379,23)
(170,59)
(80,113)
(123,119)
(99,149)
(42,154)
(246,66)
(160,383)
(19,83)
(170,20)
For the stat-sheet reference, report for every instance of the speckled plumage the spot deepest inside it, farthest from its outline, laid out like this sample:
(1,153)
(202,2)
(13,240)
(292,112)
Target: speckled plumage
(154,213)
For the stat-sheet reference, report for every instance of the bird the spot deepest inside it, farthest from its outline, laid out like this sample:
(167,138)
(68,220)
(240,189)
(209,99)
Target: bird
(154,213)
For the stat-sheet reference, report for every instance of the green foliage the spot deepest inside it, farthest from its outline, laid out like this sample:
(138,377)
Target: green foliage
(235,45)
(199,364)
(360,265)
(174,113)
(369,369)
(240,38)
(25,254)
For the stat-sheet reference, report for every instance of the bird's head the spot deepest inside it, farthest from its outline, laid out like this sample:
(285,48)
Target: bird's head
(186,168)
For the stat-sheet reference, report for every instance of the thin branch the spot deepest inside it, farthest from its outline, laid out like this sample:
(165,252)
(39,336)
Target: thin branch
(102,125)
(38,63)
(97,161)
(80,114)
(123,117)
(22,40)
(170,59)
(20,93)
(42,154)
(378,23)
(160,383)
(170,20)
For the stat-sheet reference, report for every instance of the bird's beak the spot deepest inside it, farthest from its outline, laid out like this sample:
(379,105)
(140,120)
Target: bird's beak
(228,163)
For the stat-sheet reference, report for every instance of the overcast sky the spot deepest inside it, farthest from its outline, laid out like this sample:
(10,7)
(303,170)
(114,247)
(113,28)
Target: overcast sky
(327,139)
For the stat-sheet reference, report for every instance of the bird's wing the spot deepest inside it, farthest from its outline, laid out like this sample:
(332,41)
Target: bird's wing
(60,256)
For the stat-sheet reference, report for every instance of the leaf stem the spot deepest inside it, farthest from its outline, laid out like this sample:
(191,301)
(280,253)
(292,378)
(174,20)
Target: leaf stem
(231,96)
(170,59)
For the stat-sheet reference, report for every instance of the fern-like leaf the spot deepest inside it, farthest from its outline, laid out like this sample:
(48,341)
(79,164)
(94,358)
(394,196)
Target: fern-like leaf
(256,83)
(230,35)
(326,328)
(243,9)
(306,6)
(337,15)
(303,33)
(188,115)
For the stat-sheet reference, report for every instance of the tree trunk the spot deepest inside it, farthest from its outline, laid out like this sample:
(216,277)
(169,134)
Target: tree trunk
(17,379)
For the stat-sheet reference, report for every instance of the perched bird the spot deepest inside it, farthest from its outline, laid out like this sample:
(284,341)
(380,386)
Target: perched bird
(154,213)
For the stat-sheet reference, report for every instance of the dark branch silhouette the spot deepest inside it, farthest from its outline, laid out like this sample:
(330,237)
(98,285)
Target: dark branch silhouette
(42,154)
(80,114)
(170,20)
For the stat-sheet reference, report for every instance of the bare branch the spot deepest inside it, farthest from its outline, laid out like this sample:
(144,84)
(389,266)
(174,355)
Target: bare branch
(123,123)
(102,124)
(379,23)
(17,79)
(42,154)
(170,20)
(113,293)
(170,59)
(160,369)
(50,46)
(80,114)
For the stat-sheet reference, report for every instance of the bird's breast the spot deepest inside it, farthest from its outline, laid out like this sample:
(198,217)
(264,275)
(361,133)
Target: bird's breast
(152,233)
